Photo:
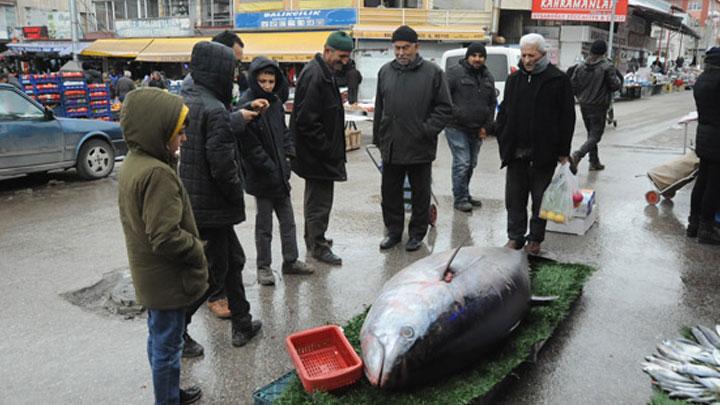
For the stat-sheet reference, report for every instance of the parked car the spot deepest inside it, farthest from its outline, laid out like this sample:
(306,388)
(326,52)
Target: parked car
(33,140)
(501,61)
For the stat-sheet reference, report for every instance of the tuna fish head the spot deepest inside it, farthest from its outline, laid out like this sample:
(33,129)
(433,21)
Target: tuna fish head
(391,329)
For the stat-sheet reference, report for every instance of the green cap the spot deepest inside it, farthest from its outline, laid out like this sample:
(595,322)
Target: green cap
(340,40)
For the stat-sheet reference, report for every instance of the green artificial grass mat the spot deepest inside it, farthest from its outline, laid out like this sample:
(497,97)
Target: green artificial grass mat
(661,398)
(548,278)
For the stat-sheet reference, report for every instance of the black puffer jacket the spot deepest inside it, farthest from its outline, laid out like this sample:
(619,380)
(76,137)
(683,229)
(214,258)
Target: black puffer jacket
(412,105)
(317,124)
(210,159)
(594,81)
(706,92)
(551,118)
(473,95)
(266,143)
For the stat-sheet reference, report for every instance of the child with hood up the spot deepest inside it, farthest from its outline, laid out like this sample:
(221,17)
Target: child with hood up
(267,147)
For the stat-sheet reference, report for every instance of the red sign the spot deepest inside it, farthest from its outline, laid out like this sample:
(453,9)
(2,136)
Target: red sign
(579,10)
(35,32)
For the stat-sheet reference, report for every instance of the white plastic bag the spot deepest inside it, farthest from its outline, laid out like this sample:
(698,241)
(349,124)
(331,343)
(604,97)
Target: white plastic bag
(557,202)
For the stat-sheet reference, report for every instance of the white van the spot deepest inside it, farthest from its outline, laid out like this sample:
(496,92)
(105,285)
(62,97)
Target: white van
(500,60)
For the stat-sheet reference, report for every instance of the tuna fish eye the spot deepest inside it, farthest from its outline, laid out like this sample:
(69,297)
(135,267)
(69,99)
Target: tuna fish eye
(407,332)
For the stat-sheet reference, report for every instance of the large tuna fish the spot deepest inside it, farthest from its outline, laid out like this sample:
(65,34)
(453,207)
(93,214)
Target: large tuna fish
(442,312)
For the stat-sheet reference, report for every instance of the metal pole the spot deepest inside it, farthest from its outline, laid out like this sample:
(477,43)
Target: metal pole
(74,28)
(612,29)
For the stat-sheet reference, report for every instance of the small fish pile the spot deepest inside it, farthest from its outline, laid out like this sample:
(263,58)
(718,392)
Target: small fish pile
(688,369)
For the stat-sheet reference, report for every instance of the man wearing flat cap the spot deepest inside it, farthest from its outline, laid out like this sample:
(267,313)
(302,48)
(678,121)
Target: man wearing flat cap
(472,88)
(318,128)
(412,106)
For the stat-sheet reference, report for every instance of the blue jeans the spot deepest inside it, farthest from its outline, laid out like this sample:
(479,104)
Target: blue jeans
(464,147)
(164,350)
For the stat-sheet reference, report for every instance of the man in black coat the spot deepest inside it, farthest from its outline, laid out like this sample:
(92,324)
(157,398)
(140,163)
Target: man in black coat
(594,81)
(210,171)
(318,127)
(472,89)
(412,105)
(535,126)
(267,148)
(705,200)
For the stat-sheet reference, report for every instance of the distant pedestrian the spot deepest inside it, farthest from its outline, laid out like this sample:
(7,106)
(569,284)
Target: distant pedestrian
(92,75)
(535,126)
(705,200)
(317,124)
(351,78)
(167,263)
(594,81)
(124,85)
(472,88)
(210,170)
(156,80)
(412,105)
(267,148)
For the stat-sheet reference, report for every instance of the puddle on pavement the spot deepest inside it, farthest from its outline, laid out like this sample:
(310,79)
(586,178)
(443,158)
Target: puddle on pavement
(113,295)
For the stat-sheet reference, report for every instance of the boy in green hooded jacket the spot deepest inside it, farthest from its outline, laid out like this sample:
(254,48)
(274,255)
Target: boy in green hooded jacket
(166,257)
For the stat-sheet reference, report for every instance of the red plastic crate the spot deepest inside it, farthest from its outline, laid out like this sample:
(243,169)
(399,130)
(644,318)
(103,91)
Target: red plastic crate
(323,358)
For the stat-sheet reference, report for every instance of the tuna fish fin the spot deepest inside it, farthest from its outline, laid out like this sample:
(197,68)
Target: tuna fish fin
(543,300)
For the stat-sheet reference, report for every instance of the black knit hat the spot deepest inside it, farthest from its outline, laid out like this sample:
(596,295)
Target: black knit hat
(476,47)
(404,33)
(599,47)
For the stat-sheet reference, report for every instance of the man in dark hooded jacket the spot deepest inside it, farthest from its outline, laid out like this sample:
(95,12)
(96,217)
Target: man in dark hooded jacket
(594,81)
(318,128)
(267,148)
(412,106)
(705,201)
(535,126)
(210,170)
(472,89)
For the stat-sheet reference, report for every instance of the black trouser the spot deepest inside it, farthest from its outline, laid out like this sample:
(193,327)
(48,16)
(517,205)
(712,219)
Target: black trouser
(317,205)
(594,119)
(393,210)
(263,229)
(705,199)
(226,260)
(523,179)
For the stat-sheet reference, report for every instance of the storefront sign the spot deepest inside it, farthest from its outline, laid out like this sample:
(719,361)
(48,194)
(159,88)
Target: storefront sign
(578,10)
(155,27)
(35,33)
(341,17)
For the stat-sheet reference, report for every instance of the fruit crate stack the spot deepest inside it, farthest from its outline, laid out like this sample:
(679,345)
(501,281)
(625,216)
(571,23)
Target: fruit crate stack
(100,101)
(74,92)
(45,88)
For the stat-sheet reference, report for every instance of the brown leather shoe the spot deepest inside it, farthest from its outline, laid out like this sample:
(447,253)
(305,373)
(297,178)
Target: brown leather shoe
(220,308)
(533,248)
(512,244)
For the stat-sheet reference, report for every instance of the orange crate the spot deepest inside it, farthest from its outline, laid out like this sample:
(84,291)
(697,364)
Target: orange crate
(323,358)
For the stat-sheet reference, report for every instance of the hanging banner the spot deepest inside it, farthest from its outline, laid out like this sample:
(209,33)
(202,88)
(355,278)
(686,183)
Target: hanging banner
(578,10)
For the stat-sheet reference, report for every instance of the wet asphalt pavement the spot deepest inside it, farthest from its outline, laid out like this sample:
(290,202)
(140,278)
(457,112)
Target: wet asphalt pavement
(651,279)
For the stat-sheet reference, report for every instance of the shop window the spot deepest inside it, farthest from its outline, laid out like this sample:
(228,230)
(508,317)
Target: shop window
(102,15)
(176,8)
(216,13)
(153,9)
(132,9)
(394,3)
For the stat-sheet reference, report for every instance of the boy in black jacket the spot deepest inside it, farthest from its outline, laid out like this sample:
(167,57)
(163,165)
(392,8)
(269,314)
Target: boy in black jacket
(266,149)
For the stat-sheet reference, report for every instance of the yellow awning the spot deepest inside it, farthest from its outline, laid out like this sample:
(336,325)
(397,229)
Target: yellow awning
(169,49)
(284,46)
(116,48)
(425,32)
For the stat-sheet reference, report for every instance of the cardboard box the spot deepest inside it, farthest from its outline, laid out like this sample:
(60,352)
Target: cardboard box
(576,226)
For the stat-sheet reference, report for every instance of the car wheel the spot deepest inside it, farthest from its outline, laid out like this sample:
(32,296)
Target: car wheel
(96,159)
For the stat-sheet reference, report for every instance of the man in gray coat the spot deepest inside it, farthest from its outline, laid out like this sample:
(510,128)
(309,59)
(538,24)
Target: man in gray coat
(412,106)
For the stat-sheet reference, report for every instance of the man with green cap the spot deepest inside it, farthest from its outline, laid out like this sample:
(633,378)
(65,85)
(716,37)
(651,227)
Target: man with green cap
(317,125)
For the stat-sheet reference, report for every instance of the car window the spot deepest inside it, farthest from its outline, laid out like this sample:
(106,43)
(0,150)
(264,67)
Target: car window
(496,63)
(13,106)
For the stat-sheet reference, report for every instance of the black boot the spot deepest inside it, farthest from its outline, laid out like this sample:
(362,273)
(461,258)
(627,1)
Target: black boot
(243,329)
(708,234)
(692,228)
(191,348)
(190,395)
